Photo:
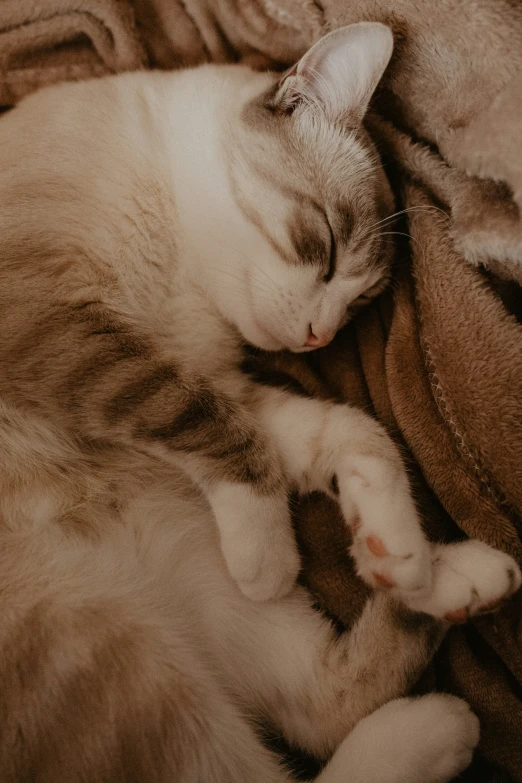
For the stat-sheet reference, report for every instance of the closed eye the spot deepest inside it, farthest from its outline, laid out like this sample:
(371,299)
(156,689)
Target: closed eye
(333,257)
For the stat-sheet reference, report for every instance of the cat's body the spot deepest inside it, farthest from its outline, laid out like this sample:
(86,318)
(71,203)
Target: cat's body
(151,224)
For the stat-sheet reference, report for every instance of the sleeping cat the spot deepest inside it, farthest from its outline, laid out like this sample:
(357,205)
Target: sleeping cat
(152,225)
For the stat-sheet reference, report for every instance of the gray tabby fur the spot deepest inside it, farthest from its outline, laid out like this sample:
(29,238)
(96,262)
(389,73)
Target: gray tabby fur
(152,224)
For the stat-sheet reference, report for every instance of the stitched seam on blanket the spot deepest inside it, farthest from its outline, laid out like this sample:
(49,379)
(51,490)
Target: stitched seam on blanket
(460,441)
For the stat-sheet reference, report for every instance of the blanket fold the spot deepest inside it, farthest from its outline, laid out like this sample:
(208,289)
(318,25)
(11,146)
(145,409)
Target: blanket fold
(55,40)
(439,358)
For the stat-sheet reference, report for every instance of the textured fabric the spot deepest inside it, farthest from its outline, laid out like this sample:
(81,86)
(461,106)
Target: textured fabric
(439,359)
(46,41)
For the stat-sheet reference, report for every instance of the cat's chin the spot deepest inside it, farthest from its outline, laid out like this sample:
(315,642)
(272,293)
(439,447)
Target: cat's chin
(268,344)
(277,346)
(261,338)
(303,349)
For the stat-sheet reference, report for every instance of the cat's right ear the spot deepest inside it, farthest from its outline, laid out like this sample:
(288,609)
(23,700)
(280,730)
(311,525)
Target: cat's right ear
(339,74)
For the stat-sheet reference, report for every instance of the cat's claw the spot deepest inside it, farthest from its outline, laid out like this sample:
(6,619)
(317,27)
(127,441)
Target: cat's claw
(469,578)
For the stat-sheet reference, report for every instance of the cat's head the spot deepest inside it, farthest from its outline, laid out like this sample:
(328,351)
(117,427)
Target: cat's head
(293,237)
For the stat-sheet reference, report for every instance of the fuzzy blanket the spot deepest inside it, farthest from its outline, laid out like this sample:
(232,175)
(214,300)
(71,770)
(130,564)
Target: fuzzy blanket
(439,359)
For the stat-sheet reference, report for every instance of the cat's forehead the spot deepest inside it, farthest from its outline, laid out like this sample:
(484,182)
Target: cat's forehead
(308,176)
(303,155)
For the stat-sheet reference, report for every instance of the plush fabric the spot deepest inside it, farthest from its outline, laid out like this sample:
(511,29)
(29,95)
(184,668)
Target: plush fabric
(439,359)
(46,41)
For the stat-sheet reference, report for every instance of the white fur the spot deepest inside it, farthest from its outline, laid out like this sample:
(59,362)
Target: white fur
(408,740)
(256,540)
(156,218)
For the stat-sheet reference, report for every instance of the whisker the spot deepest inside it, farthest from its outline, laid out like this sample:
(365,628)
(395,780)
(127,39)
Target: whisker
(420,207)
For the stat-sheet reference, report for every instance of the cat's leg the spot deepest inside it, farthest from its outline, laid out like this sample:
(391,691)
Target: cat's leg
(423,740)
(428,739)
(343,452)
(220,445)
(290,665)
(121,387)
(292,668)
(348,455)
(256,536)
(118,388)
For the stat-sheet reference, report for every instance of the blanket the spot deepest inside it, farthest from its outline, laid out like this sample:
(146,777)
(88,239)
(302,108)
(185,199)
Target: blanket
(438,359)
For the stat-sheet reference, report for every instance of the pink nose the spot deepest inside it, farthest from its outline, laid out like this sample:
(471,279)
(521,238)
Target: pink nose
(317,340)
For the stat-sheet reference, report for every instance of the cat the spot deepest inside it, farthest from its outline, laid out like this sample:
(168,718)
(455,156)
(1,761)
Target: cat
(153,225)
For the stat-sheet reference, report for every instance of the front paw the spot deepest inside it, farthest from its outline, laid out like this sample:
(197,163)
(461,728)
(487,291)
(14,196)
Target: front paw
(469,578)
(257,541)
(401,573)
(389,547)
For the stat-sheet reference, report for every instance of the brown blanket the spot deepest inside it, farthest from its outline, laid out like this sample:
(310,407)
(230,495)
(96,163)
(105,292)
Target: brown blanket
(439,359)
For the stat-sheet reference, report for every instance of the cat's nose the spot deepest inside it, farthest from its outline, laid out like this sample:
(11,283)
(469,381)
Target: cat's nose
(317,340)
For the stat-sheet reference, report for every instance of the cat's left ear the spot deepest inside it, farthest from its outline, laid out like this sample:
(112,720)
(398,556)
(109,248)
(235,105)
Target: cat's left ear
(339,73)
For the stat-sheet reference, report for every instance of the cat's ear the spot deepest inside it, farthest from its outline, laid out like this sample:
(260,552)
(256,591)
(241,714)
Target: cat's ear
(339,73)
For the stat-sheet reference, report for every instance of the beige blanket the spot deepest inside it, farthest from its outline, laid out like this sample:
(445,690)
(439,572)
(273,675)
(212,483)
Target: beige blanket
(439,360)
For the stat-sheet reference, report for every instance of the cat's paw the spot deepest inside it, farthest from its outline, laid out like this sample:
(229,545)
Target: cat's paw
(257,540)
(396,570)
(389,547)
(429,738)
(264,570)
(469,578)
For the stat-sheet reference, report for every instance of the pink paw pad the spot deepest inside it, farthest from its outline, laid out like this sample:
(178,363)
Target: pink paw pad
(376,546)
(383,580)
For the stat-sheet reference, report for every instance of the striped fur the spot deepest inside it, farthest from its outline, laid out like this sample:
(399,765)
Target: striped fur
(152,225)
